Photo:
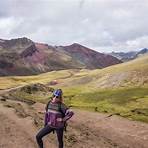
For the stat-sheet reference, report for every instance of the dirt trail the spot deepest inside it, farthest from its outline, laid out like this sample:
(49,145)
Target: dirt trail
(3,91)
(85,130)
(114,131)
(97,130)
(15,131)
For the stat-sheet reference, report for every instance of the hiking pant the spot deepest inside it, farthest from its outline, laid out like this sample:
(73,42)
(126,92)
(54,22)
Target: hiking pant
(46,130)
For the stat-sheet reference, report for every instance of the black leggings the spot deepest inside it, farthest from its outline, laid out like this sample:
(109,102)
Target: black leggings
(46,130)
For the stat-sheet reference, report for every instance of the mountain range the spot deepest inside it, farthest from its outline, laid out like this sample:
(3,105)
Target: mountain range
(22,56)
(126,56)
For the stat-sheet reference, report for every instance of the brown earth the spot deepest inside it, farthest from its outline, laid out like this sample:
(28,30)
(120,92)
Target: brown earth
(19,123)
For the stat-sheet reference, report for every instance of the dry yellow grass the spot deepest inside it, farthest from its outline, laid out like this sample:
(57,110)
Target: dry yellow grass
(132,73)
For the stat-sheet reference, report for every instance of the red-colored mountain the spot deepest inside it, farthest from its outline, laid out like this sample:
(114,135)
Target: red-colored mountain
(90,58)
(24,57)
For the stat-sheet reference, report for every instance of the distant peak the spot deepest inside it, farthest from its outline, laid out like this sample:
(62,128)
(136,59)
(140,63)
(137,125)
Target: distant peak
(144,49)
(22,39)
(75,44)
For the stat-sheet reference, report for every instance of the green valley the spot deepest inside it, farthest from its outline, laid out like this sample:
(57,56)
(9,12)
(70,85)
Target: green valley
(120,89)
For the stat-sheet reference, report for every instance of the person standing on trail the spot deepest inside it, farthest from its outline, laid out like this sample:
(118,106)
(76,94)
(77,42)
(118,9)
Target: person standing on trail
(57,113)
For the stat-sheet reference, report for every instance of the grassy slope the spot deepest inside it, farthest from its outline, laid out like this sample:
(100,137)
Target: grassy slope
(9,82)
(121,89)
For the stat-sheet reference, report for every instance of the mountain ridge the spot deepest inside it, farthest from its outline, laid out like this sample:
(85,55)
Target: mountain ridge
(33,58)
(126,56)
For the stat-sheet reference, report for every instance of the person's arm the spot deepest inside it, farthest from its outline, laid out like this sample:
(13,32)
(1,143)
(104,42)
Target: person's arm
(68,115)
(68,112)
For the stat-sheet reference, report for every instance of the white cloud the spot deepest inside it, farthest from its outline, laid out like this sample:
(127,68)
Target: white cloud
(7,25)
(104,25)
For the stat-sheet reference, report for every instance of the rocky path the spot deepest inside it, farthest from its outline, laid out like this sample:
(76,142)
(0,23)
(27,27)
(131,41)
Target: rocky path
(17,131)
(115,131)
(85,130)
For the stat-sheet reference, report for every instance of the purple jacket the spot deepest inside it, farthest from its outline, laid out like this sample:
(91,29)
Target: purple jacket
(57,114)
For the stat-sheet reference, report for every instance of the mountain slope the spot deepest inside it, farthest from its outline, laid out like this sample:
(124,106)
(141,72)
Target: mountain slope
(88,57)
(119,89)
(128,74)
(24,57)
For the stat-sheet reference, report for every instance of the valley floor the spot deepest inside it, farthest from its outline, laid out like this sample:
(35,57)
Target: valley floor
(86,129)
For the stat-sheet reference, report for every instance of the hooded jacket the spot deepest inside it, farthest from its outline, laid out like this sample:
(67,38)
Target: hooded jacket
(57,113)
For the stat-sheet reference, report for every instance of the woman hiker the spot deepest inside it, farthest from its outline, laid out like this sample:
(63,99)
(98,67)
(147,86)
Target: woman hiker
(57,113)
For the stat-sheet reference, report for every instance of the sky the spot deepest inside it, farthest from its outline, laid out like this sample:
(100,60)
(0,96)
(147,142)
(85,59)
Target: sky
(103,25)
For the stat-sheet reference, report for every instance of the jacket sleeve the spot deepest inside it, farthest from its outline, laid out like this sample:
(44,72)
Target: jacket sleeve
(68,112)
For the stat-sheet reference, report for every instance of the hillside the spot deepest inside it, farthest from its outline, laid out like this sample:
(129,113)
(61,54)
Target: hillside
(120,89)
(24,57)
(132,73)
(106,132)
(89,57)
